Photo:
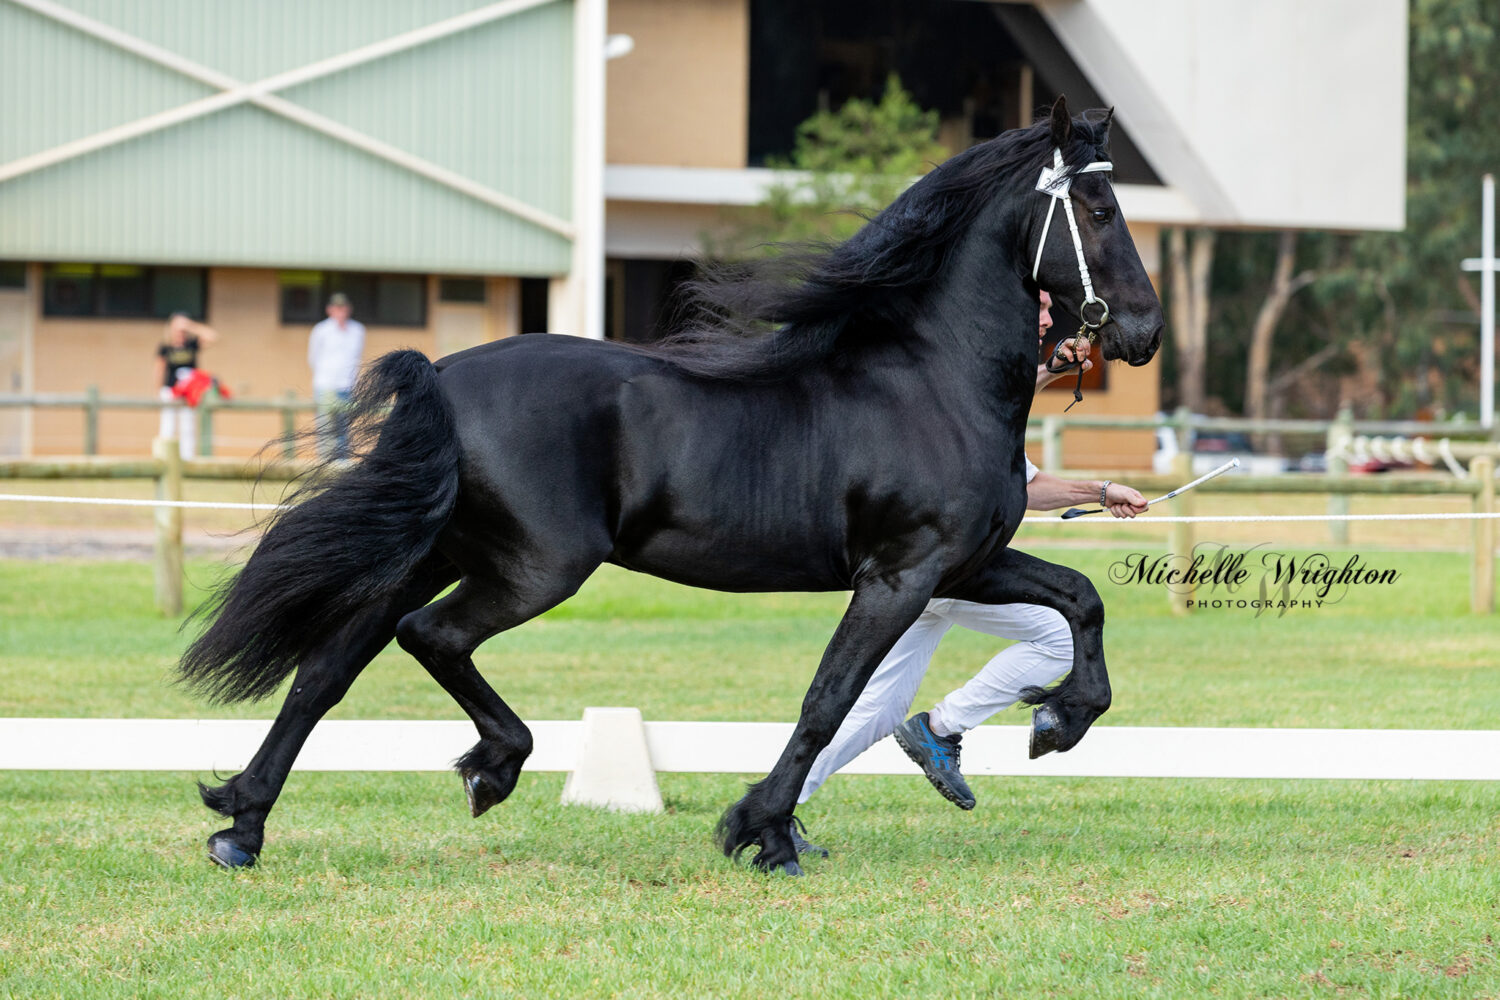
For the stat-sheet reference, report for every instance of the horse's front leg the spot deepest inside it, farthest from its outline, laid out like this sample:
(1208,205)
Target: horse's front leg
(879,613)
(1063,713)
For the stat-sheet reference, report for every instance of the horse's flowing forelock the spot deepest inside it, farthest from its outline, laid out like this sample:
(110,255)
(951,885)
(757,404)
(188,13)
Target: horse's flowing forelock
(764,319)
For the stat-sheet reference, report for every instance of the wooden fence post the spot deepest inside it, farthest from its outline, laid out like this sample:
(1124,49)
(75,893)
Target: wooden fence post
(168,528)
(1052,456)
(1482,580)
(289,426)
(1180,545)
(91,420)
(1336,455)
(206,425)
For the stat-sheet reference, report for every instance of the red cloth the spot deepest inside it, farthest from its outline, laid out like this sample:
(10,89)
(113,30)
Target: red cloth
(192,388)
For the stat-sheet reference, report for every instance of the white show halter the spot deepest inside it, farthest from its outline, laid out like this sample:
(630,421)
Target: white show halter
(1056,183)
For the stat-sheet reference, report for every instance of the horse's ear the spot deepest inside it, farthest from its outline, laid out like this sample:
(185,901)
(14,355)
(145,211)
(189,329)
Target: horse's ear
(1109,119)
(1062,124)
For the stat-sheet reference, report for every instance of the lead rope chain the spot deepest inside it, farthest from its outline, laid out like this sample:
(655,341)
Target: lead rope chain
(1057,184)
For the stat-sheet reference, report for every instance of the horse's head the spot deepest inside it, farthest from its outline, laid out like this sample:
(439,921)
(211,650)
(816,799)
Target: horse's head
(1078,245)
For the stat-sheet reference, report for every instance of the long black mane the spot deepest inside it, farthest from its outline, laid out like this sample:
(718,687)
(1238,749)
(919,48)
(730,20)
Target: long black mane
(763,319)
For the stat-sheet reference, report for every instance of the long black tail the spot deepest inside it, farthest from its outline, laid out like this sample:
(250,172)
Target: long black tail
(352,536)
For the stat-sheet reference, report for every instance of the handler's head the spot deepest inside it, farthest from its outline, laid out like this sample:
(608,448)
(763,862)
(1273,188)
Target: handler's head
(1044,318)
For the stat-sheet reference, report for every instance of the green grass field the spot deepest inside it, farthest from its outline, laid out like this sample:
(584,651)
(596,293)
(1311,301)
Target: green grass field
(380,884)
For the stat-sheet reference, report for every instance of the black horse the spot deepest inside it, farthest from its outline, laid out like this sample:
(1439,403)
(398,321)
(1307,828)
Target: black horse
(868,437)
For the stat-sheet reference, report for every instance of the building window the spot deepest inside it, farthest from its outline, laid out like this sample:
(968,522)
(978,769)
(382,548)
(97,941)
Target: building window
(469,290)
(645,303)
(123,291)
(534,305)
(12,274)
(379,299)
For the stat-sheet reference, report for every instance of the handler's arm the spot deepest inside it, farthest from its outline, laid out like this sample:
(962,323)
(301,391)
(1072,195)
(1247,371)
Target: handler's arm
(1049,492)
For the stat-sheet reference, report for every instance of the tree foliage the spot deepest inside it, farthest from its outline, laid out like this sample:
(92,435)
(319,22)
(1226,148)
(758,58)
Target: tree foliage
(1390,325)
(846,165)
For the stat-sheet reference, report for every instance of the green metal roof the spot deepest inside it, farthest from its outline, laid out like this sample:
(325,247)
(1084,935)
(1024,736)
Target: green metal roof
(246,186)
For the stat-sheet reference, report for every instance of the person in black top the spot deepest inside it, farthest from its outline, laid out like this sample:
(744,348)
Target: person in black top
(177,359)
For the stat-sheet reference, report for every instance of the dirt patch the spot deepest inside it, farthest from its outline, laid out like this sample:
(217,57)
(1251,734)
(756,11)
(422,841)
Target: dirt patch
(111,544)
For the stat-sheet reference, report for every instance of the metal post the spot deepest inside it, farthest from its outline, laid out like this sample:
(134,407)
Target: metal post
(1336,455)
(1486,264)
(1180,545)
(91,420)
(1482,581)
(168,527)
(1487,307)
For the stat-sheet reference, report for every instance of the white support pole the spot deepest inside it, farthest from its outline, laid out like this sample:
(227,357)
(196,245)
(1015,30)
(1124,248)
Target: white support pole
(576,300)
(1486,265)
(1487,307)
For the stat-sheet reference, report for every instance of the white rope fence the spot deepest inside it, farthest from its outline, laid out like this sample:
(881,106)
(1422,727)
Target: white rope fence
(1272,518)
(1145,519)
(122,502)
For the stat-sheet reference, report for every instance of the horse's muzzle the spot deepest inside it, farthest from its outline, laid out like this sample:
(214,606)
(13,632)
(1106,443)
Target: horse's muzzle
(1146,352)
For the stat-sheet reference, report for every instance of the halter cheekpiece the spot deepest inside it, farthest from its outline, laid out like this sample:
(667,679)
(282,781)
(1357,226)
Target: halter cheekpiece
(1057,182)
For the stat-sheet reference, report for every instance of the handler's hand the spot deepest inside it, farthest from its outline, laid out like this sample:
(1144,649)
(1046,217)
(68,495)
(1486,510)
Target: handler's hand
(1122,501)
(1069,353)
(1044,377)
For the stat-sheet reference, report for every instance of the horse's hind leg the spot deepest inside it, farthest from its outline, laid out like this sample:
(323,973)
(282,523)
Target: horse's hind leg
(443,637)
(1064,713)
(320,682)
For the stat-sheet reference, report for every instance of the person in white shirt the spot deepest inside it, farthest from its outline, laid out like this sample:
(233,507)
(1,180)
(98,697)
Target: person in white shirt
(333,353)
(1042,653)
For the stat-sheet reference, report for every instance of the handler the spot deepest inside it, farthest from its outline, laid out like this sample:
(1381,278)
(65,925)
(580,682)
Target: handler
(1042,653)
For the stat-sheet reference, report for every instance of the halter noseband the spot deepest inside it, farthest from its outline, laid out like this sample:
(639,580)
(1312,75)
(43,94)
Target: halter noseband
(1056,183)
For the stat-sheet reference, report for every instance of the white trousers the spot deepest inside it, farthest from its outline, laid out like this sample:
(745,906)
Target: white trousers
(1043,652)
(185,430)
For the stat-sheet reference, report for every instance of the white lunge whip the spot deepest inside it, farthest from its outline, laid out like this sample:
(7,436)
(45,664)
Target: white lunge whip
(1233,463)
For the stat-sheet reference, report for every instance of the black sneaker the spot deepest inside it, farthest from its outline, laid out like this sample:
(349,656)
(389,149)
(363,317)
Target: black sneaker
(797,828)
(938,758)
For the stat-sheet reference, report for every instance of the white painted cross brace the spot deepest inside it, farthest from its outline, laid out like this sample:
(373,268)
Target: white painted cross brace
(262,94)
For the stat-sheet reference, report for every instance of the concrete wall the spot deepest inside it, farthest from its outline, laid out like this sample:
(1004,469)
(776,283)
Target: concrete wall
(1278,113)
(256,356)
(682,97)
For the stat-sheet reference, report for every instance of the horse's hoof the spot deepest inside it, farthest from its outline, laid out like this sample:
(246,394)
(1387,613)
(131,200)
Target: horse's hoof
(227,854)
(1045,730)
(480,793)
(788,868)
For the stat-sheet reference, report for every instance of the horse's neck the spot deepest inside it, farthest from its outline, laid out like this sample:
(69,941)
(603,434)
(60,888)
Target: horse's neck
(981,323)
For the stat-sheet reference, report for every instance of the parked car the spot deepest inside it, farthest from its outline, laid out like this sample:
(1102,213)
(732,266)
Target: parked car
(1212,449)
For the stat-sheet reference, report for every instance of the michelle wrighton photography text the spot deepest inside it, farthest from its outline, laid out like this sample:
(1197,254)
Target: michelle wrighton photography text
(1256,579)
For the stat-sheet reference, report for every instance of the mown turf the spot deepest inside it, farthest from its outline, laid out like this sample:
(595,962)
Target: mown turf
(380,884)
(81,639)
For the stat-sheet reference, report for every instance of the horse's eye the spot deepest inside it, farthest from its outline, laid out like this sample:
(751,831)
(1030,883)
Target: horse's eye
(1102,214)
